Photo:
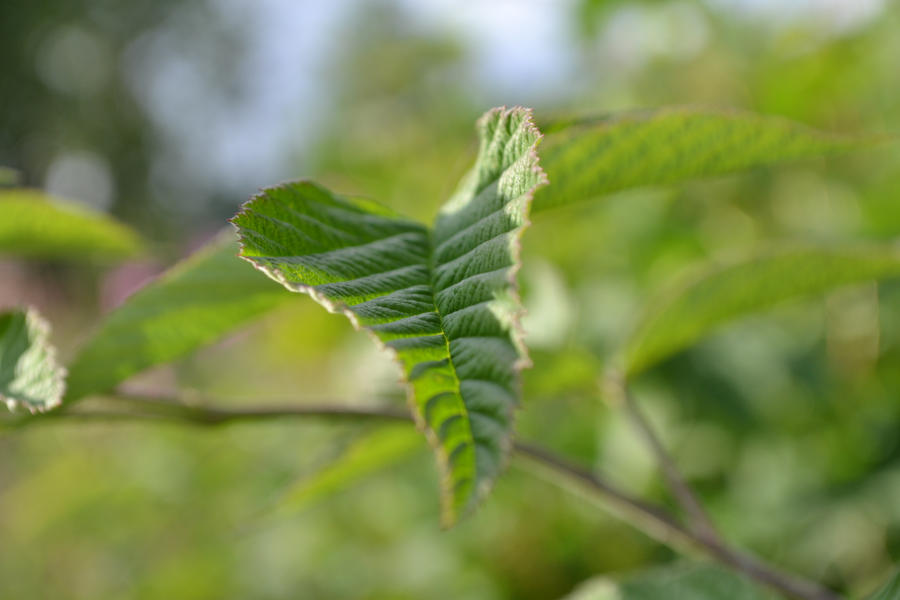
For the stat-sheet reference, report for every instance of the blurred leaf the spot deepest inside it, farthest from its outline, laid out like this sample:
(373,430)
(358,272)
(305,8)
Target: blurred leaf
(443,301)
(371,453)
(8,176)
(33,224)
(684,582)
(589,158)
(890,591)
(191,305)
(678,319)
(30,377)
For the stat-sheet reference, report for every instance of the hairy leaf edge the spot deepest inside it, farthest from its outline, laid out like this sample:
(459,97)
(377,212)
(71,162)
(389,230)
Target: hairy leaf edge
(517,332)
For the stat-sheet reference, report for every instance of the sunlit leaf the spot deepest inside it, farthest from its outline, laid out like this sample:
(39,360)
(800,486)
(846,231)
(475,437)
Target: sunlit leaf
(890,591)
(443,300)
(30,377)
(35,225)
(681,317)
(683,582)
(371,453)
(191,305)
(589,158)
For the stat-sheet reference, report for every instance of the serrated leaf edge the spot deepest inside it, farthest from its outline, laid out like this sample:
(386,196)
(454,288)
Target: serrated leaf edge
(448,513)
(41,327)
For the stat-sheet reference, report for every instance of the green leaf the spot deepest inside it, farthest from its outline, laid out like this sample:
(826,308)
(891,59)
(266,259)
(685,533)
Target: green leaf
(890,591)
(369,454)
(191,305)
(589,158)
(722,294)
(35,225)
(442,300)
(683,582)
(30,377)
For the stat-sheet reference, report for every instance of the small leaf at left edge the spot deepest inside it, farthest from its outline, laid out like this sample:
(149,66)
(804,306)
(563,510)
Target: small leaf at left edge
(30,377)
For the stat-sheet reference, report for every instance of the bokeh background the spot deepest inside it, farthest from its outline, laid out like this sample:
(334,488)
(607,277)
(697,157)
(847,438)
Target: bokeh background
(168,114)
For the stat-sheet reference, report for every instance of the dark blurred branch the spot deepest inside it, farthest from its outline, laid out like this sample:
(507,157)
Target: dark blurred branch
(662,526)
(654,520)
(127,407)
(618,395)
(702,530)
(172,409)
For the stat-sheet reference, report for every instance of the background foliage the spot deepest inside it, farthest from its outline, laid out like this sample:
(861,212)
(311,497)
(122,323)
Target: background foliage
(786,422)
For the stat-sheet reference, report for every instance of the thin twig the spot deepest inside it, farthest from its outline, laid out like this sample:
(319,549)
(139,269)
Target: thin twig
(653,520)
(659,524)
(219,416)
(684,494)
(147,408)
(703,530)
(698,518)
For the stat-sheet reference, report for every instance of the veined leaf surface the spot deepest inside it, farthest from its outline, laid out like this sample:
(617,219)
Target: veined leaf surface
(189,306)
(443,300)
(589,158)
(33,226)
(30,377)
(723,294)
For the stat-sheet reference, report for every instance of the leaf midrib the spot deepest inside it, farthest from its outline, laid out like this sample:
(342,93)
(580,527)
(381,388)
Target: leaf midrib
(464,410)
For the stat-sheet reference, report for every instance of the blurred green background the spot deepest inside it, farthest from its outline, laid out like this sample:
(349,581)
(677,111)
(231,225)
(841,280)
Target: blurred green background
(169,114)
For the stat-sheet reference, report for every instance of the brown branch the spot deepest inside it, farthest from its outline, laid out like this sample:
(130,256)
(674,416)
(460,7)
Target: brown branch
(684,495)
(617,394)
(703,531)
(659,524)
(654,520)
(207,415)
